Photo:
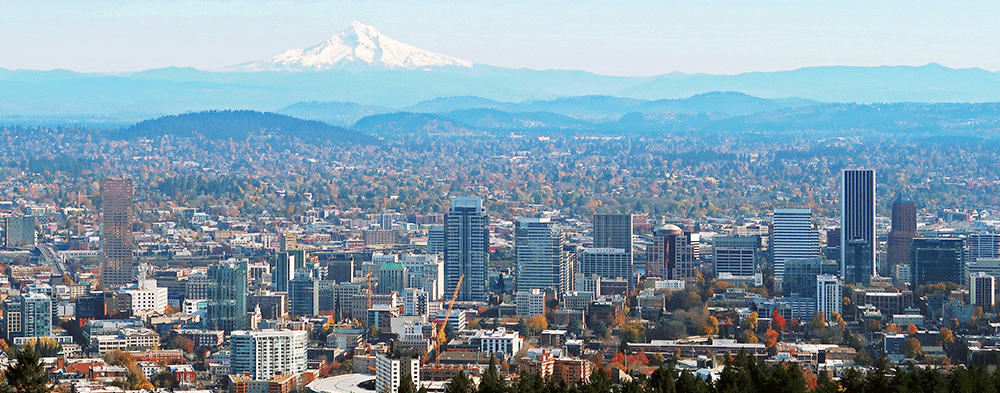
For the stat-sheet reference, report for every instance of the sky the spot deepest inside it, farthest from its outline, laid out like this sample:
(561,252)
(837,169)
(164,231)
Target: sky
(622,37)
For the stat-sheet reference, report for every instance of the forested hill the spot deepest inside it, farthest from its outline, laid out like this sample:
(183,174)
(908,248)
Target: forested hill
(241,125)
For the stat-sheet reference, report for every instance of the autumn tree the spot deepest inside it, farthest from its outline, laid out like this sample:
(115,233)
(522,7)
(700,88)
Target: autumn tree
(750,322)
(712,326)
(777,320)
(537,323)
(770,338)
(946,336)
(912,348)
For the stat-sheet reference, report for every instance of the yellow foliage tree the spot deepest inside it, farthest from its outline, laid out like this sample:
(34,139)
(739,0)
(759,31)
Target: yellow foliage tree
(538,323)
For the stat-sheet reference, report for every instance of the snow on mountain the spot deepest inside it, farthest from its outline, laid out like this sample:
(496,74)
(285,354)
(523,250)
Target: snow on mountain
(357,46)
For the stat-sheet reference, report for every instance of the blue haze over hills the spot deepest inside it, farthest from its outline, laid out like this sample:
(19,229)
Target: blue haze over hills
(361,72)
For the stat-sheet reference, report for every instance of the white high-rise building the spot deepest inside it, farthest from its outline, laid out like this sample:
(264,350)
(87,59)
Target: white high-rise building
(829,295)
(530,302)
(266,353)
(426,271)
(541,261)
(982,290)
(147,297)
(793,237)
(414,302)
(390,371)
(984,246)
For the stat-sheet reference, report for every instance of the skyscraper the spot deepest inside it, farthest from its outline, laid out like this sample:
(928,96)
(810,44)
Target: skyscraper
(857,209)
(467,246)
(673,254)
(984,246)
(792,237)
(436,239)
(265,354)
(904,229)
(938,260)
(117,241)
(27,315)
(829,295)
(303,294)
(541,261)
(20,232)
(286,263)
(982,290)
(227,295)
(609,263)
(613,230)
(736,255)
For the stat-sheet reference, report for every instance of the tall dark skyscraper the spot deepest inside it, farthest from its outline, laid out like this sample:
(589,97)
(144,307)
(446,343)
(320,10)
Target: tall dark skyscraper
(117,241)
(904,230)
(467,246)
(938,260)
(857,235)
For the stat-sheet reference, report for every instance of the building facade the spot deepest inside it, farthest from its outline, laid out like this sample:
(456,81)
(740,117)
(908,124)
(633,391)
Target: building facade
(857,209)
(899,243)
(467,248)
(829,295)
(117,240)
(227,296)
(542,262)
(937,260)
(792,237)
(266,353)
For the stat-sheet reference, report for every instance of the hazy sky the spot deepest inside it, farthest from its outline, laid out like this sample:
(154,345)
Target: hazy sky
(608,37)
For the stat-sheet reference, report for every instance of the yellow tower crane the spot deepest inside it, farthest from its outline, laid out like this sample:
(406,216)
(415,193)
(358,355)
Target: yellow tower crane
(441,337)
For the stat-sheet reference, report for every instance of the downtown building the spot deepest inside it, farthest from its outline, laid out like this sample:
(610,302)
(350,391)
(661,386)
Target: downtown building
(899,242)
(542,262)
(607,263)
(735,255)
(938,260)
(264,354)
(27,315)
(857,233)
(829,295)
(227,296)
(792,237)
(673,254)
(467,246)
(117,240)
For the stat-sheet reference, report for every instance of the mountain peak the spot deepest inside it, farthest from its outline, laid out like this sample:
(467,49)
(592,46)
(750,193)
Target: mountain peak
(357,46)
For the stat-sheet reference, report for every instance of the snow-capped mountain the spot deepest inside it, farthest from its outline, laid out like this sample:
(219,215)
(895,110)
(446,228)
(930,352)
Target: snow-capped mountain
(357,46)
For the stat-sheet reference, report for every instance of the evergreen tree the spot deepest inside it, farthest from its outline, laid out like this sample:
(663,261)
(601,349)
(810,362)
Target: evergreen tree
(492,382)
(26,374)
(460,383)
(406,385)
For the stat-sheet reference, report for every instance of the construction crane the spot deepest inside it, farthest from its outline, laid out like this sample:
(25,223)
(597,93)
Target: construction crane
(441,337)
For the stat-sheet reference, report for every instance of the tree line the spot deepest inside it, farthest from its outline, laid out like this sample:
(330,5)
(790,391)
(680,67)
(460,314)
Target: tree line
(743,373)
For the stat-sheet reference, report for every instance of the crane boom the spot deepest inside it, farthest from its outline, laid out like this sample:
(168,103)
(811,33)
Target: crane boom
(441,338)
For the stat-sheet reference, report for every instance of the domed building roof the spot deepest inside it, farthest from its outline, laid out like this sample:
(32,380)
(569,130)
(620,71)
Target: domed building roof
(669,228)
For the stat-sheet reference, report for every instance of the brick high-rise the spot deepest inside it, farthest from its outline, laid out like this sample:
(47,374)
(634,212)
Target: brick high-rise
(117,242)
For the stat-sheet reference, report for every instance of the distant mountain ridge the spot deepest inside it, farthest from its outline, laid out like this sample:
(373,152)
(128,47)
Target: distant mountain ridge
(75,96)
(241,125)
(594,107)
